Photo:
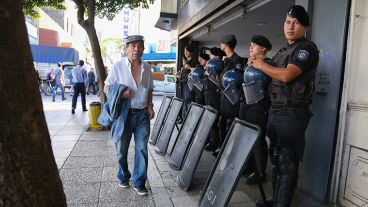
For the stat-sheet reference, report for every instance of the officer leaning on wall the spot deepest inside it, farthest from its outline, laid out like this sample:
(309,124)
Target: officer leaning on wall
(292,70)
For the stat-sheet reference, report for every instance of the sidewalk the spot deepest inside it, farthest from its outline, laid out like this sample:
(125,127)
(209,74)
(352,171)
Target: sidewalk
(87,165)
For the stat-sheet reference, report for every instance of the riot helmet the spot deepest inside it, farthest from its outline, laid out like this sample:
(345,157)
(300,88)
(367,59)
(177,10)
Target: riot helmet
(231,81)
(214,68)
(195,78)
(255,84)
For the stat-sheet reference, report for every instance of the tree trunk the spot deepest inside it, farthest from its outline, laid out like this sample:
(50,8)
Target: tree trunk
(28,172)
(99,65)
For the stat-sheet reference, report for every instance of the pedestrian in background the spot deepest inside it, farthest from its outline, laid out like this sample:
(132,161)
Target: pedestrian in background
(133,78)
(59,82)
(91,82)
(79,86)
(293,70)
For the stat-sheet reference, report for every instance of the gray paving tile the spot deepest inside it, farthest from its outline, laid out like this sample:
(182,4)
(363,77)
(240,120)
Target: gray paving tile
(161,197)
(70,132)
(81,175)
(96,137)
(62,152)
(83,205)
(81,193)
(187,201)
(109,174)
(63,144)
(89,148)
(112,192)
(65,138)
(111,161)
(83,161)
(239,197)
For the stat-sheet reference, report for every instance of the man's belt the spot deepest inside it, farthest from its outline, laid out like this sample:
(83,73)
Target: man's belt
(132,110)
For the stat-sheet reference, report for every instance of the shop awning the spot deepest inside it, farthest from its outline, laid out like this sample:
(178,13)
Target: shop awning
(159,56)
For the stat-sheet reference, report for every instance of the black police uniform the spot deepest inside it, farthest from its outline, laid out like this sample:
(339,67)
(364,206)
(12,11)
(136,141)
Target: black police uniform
(199,94)
(289,116)
(257,113)
(229,111)
(212,98)
(187,94)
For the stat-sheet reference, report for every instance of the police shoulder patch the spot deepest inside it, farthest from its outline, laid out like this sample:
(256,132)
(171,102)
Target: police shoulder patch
(303,55)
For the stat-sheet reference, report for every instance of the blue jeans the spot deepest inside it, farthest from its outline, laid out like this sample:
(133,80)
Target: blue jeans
(137,123)
(58,85)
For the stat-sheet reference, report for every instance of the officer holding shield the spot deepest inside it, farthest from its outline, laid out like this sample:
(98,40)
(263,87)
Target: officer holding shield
(254,107)
(231,95)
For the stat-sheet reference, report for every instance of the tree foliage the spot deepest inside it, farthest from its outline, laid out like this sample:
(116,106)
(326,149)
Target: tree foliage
(30,6)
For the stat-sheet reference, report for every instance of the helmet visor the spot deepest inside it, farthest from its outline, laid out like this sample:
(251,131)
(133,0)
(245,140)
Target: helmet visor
(232,94)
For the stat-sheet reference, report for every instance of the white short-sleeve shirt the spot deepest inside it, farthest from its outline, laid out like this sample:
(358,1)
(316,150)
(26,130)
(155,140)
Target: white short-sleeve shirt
(121,73)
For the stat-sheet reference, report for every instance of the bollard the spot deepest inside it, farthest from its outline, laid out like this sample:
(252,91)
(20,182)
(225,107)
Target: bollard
(94,112)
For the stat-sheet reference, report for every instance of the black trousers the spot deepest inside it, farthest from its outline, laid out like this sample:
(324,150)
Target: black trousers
(227,114)
(79,88)
(257,114)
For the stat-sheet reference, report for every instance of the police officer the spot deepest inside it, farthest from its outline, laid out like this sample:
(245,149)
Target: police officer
(213,69)
(190,63)
(292,70)
(254,107)
(234,62)
(198,91)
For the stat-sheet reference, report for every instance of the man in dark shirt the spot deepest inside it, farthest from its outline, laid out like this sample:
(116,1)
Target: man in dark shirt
(292,70)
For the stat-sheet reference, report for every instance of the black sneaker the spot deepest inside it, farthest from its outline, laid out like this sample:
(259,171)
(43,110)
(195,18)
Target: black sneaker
(73,111)
(124,184)
(53,100)
(141,190)
(85,109)
(261,203)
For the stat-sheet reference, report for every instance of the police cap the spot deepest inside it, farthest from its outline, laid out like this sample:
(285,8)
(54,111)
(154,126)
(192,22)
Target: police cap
(133,38)
(204,56)
(262,41)
(217,51)
(298,12)
(229,39)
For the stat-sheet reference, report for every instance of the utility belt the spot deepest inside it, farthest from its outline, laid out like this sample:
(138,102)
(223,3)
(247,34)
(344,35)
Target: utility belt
(283,106)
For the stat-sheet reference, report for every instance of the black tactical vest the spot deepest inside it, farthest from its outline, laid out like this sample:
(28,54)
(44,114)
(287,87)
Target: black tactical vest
(300,90)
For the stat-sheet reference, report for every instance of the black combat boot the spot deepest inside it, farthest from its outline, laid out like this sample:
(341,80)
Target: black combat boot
(286,178)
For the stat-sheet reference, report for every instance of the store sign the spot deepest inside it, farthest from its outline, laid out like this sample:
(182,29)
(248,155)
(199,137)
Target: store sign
(126,21)
(163,46)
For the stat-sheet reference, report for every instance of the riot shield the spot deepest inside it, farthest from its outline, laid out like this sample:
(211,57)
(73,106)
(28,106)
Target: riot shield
(232,94)
(164,138)
(229,164)
(194,154)
(184,138)
(160,119)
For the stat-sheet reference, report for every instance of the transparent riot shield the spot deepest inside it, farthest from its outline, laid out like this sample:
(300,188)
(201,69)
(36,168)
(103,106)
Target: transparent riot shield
(168,127)
(195,151)
(160,119)
(229,164)
(184,138)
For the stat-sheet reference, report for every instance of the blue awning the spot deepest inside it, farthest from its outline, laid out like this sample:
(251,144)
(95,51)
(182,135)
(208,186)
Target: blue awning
(159,56)
(52,54)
